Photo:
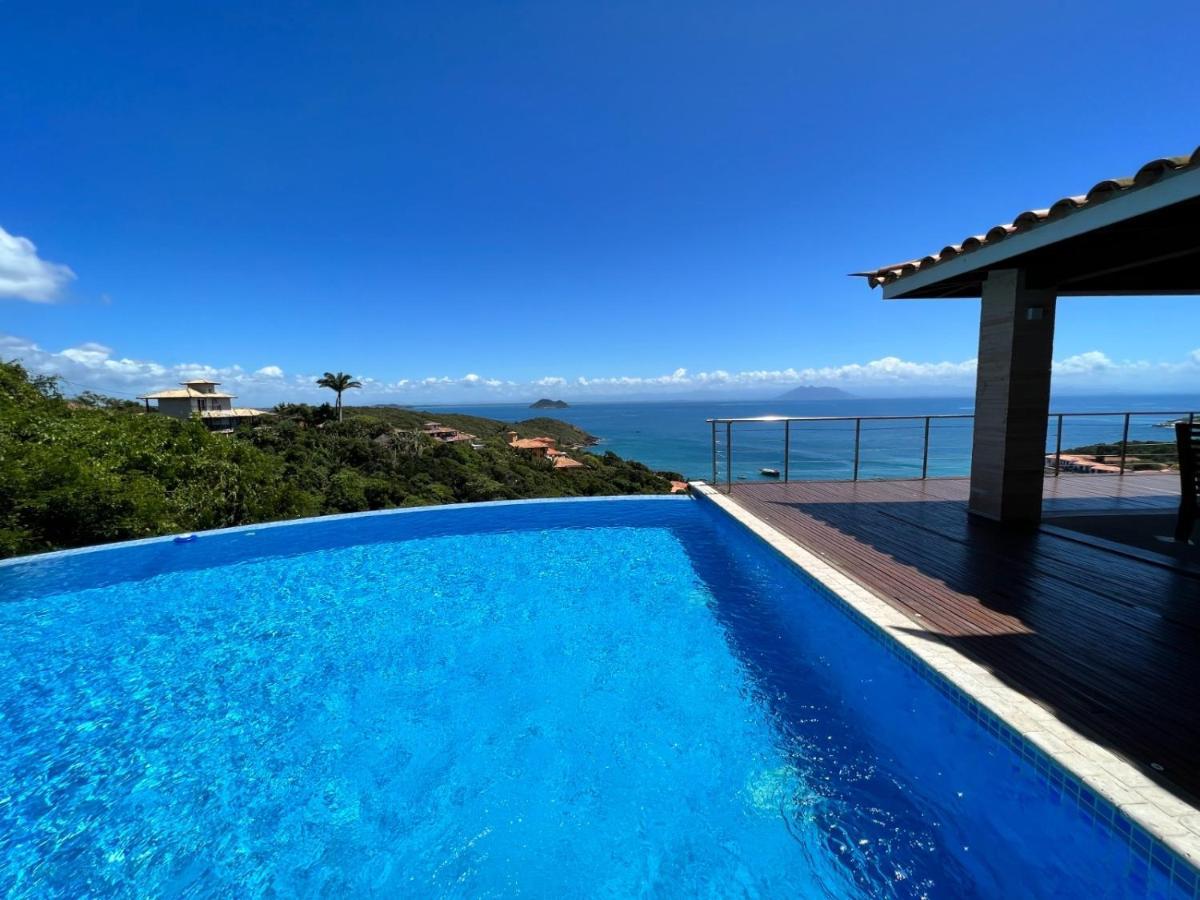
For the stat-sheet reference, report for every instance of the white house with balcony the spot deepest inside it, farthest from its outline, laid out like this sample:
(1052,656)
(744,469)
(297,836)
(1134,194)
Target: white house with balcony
(199,397)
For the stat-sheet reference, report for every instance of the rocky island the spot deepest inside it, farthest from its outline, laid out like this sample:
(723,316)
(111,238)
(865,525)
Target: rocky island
(545,403)
(809,392)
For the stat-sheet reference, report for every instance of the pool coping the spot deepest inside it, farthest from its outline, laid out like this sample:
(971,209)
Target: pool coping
(1029,729)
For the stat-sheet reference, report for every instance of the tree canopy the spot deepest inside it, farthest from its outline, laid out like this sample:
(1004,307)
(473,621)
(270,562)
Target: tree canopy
(338,382)
(93,470)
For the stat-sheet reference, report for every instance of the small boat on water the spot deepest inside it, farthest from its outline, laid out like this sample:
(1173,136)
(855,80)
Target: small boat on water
(770,473)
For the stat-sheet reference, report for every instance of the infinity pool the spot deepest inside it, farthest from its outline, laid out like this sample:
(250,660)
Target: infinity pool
(605,698)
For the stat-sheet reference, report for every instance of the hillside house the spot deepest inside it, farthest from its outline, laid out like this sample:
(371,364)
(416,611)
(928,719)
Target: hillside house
(200,397)
(538,446)
(445,434)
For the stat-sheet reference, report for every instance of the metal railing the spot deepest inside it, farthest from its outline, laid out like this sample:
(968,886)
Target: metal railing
(1123,442)
(961,457)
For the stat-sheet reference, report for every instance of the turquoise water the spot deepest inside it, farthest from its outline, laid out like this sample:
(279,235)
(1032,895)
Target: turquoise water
(674,436)
(607,698)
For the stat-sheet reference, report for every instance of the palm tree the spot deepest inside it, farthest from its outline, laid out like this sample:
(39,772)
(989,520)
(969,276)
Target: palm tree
(338,382)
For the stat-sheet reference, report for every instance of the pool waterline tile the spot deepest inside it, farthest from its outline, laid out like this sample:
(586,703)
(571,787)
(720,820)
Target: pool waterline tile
(1109,790)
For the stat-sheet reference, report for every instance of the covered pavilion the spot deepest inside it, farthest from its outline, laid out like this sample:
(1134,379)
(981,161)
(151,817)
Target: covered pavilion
(1131,236)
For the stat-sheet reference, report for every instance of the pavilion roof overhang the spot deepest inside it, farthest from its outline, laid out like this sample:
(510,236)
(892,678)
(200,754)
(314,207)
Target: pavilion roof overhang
(1138,235)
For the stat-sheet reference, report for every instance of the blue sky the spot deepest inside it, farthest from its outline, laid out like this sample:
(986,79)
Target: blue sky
(522,192)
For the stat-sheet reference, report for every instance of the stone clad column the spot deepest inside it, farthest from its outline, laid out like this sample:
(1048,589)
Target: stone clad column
(1012,399)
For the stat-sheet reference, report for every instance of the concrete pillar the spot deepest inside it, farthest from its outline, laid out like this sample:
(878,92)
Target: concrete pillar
(1012,399)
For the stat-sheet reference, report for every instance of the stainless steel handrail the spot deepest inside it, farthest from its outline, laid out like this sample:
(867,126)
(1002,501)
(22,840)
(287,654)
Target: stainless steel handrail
(927,419)
(852,418)
(1119,412)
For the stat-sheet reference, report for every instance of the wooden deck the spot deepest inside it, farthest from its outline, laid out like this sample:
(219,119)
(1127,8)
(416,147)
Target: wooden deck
(1109,642)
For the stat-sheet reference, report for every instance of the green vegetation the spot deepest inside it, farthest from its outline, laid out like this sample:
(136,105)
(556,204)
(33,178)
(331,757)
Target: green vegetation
(339,383)
(93,470)
(1141,456)
(566,434)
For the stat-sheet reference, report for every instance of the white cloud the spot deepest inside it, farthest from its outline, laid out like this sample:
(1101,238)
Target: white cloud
(26,276)
(886,371)
(890,370)
(1088,363)
(88,354)
(95,366)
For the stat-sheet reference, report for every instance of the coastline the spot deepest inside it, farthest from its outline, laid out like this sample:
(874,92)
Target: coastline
(674,435)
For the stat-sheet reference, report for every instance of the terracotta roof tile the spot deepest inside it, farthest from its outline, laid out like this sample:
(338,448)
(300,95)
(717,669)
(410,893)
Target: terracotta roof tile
(532,443)
(1100,192)
(183,393)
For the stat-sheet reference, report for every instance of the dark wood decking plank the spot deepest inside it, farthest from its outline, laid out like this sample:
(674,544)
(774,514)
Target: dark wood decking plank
(1057,577)
(1085,689)
(1041,654)
(948,606)
(1108,642)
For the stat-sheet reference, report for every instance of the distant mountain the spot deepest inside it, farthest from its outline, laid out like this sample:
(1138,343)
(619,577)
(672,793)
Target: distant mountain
(548,404)
(807,392)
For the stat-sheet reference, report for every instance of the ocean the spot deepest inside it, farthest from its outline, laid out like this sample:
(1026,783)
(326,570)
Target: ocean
(675,437)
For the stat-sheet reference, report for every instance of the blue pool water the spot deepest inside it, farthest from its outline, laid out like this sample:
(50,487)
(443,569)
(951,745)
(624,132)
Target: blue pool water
(596,698)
